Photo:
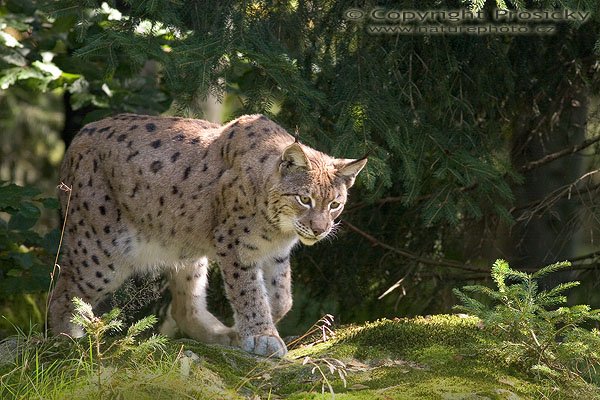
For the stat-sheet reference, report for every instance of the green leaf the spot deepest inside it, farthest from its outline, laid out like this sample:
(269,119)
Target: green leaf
(24,260)
(25,218)
(50,241)
(50,203)
(12,195)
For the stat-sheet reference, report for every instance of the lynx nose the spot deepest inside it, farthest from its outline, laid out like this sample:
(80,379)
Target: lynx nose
(319,227)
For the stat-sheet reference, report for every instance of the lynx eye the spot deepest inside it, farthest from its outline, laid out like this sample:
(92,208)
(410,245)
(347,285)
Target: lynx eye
(304,200)
(334,205)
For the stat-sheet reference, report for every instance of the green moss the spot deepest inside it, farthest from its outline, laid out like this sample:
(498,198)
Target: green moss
(426,358)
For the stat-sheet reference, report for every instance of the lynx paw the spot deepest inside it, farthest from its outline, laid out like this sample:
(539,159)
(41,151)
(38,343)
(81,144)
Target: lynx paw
(265,345)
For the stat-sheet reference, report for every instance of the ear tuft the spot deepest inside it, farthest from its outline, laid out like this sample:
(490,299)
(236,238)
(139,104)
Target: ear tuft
(294,157)
(349,169)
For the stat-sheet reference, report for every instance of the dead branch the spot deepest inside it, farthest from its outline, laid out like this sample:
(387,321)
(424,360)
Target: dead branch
(445,263)
(554,156)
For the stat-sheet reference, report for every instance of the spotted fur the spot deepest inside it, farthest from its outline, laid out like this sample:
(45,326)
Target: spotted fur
(154,193)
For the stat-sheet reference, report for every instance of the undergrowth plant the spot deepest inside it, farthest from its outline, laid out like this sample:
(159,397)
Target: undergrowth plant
(100,365)
(100,348)
(536,328)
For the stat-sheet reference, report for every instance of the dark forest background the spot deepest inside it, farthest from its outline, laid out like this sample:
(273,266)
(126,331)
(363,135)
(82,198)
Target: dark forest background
(480,146)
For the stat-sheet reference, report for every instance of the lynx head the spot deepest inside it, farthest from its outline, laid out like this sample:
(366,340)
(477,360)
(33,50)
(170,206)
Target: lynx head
(311,191)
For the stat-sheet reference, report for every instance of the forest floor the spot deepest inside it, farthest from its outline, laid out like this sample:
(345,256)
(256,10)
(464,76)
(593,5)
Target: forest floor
(437,357)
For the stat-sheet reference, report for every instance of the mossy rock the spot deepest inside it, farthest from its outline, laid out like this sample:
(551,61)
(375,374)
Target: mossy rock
(437,357)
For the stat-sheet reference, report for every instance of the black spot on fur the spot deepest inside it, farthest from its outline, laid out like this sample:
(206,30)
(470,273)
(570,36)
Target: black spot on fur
(111,267)
(95,165)
(186,173)
(161,200)
(95,260)
(100,130)
(150,127)
(156,166)
(156,144)
(205,167)
(121,137)
(175,190)
(175,156)
(131,155)
(179,138)
(195,141)
(107,229)
(99,274)
(102,210)
(263,158)
(135,190)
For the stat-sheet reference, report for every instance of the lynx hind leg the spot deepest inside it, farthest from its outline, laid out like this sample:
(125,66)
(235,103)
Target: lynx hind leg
(84,273)
(61,306)
(189,310)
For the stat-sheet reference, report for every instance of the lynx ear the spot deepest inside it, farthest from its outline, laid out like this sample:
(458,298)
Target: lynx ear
(294,158)
(348,169)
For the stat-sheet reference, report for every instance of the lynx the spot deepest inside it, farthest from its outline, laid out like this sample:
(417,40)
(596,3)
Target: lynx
(167,193)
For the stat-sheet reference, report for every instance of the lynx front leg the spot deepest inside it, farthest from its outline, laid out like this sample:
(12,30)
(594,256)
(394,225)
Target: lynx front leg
(278,280)
(245,289)
(188,308)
